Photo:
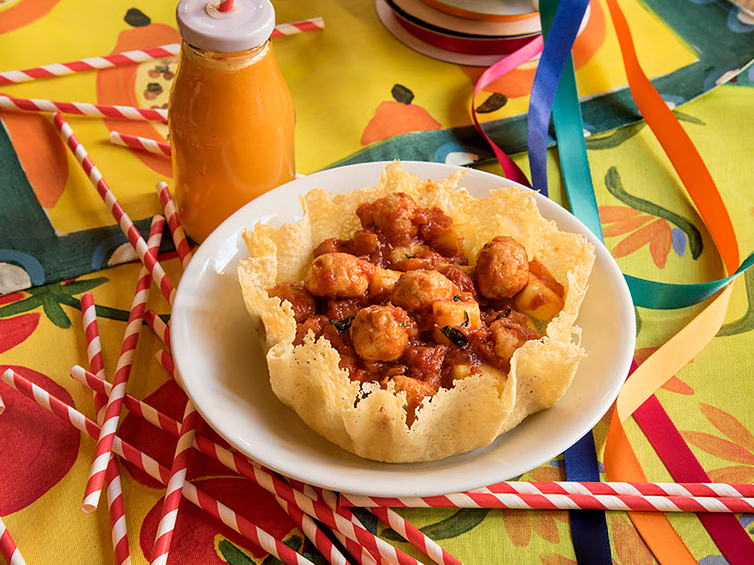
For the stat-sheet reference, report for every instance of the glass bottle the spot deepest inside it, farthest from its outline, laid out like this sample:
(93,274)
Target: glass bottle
(231,118)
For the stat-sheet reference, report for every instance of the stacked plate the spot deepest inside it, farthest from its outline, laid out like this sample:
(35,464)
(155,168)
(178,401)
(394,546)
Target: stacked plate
(466,32)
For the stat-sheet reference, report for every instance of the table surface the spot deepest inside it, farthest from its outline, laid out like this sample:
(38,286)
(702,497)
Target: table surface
(349,85)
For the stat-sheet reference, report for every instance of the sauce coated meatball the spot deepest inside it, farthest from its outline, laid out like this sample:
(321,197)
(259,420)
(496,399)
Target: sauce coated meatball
(502,268)
(338,275)
(390,216)
(381,333)
(417,290)
(304,305)
(507,336)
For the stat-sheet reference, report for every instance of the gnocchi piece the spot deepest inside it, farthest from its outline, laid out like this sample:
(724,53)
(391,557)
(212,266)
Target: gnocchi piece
(502,268)
(456,315)
(383,281)
(542,297)
(450,243)
(339,275)
(381,333)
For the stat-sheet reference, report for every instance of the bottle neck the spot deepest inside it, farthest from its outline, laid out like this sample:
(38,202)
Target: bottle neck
(220,61)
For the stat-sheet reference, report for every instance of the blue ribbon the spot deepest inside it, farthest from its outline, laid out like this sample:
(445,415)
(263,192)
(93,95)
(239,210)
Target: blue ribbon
(557,51)
(553,83)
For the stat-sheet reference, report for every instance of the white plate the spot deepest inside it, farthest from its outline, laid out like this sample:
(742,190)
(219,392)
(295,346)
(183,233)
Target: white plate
(224,371)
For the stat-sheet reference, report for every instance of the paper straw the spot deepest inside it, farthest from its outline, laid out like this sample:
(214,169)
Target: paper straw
(115,506)
(82,109)
(117,512)
(138,142)
(268,481)
(181,462)
(225,6)
(160,328)
(91,333)
(358,551)
(624,503)
(138,407)
(618,488)
(126,225)
(165,359)
(301,26)
(89,64)
(122,373)
(8,548)
(415,536)
(171,426)
(174,223)
(159,472)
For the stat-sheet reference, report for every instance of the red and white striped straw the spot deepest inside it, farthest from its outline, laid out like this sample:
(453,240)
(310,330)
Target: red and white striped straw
(138,142)
(272,484)
(8,548)
(165,359)
(91,333)
(314,533)
(358,551)
(138,407)
(518,501)
(120,380)
(89,64)
(117,511)
(268,481)
(160,328)
(14,104)
(225,5)
(174,223)
(301,26)
(181,461)
(617,488)
(159,472)
(116,508)
(405,529)
(147,257)
(415,536)
(171,426)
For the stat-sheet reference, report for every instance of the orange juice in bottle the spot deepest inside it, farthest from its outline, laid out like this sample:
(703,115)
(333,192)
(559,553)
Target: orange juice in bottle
(230,113)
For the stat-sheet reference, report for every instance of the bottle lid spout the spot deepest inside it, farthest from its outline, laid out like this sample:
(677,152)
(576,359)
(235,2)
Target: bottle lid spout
(226,26)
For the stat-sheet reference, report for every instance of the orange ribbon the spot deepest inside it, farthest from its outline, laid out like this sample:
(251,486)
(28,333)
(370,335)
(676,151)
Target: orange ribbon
(621,463)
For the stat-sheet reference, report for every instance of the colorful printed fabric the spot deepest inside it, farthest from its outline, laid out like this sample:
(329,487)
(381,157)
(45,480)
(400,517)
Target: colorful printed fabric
(58,241)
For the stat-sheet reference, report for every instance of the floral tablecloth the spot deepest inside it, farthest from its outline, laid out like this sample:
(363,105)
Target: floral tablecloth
(360,95)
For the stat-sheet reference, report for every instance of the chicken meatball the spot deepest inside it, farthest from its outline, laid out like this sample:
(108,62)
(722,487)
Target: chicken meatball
(304,305)
(390,216)
(507,336)
(339,275)
(502,268)
(381,333)
(417,290)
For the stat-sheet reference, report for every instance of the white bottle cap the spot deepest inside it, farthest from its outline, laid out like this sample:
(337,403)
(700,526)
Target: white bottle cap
(247,25)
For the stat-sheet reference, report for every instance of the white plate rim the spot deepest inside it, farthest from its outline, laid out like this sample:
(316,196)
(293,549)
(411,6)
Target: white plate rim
(462,472)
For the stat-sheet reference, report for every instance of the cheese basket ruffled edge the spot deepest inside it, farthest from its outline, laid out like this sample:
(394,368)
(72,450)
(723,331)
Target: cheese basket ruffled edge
(476,410)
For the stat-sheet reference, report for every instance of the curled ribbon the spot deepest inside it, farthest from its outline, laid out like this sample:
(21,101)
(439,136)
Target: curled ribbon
(620,460)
